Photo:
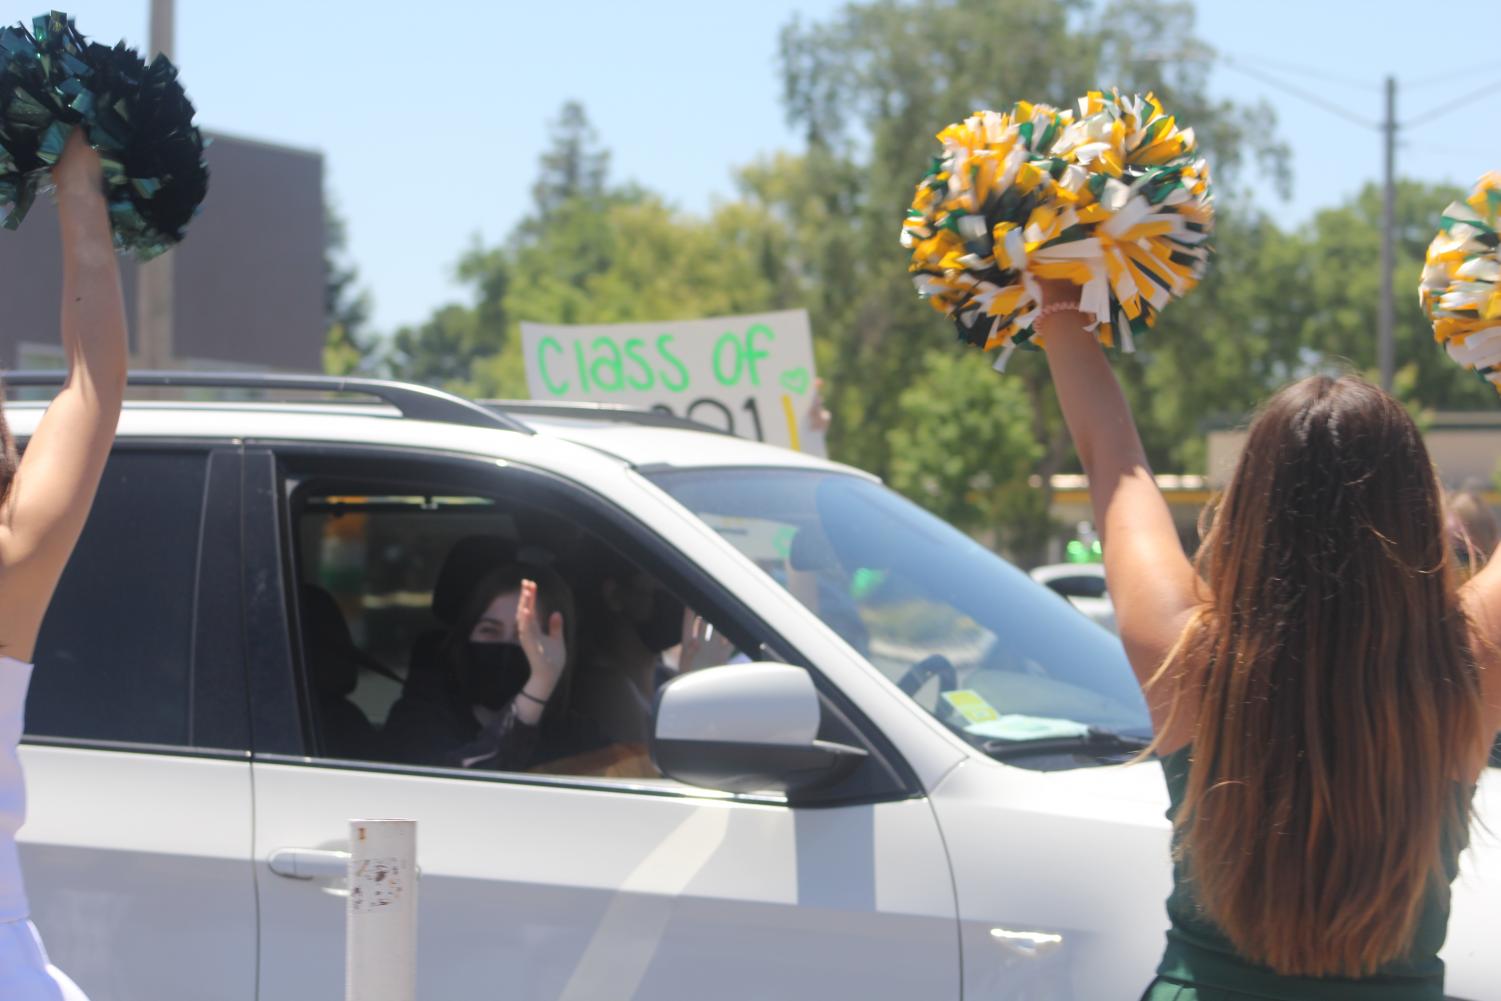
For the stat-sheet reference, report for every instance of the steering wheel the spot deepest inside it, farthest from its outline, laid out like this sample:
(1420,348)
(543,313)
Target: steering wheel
(934,666)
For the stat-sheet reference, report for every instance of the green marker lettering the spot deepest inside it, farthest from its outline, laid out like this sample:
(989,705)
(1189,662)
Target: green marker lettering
(542,348)
(633,352)
(677,387)
(578,354)
(753,355)
(614,372)
(735,346)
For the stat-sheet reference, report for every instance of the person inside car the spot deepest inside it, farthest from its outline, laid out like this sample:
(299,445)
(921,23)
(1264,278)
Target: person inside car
(496,695)
(638,635)
(635,636)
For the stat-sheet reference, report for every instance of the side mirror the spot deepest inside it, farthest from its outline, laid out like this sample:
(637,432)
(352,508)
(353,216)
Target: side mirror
(746,728)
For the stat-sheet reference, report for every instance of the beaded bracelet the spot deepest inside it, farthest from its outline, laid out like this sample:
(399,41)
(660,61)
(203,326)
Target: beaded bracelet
(1056,307)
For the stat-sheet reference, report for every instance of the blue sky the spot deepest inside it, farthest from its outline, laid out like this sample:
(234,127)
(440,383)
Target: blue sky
(431,116)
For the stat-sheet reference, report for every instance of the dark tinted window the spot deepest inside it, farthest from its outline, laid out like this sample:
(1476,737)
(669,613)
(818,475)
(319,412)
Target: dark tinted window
(114,656)
(389,590)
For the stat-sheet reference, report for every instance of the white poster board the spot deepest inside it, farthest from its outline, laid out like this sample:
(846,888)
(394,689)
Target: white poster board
(749,375)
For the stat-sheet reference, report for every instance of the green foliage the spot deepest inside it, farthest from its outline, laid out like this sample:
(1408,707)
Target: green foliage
(440,351)
(574,167)
(347,347)
(1343,281)
(871,87)
(868,89)
(962,446)
(1218,352)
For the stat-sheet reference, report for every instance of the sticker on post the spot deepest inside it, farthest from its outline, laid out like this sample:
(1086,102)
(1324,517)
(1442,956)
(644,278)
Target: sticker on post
(375,883)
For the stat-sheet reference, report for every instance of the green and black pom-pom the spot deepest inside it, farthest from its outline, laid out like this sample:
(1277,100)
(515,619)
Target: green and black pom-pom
(135,115)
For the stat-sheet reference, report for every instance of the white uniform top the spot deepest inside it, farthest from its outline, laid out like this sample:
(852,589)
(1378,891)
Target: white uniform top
(15,677)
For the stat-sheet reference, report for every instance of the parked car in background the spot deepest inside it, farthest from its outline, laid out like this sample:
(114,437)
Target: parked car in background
(1084,585)
(899,779)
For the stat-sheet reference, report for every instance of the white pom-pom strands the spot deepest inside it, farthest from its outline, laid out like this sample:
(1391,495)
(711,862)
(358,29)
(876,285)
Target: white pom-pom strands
(1461,285)
(1113,198)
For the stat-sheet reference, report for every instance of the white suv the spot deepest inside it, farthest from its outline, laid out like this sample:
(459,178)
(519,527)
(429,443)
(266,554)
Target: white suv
(901,785)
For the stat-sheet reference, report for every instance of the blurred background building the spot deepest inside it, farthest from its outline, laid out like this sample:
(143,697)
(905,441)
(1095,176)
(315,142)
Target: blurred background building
(245,289)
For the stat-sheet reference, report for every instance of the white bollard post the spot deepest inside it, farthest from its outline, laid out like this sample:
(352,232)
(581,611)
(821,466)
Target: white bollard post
(380,960)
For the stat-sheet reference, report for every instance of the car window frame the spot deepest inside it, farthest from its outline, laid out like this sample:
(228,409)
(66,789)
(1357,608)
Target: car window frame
(280,686)
(218,696)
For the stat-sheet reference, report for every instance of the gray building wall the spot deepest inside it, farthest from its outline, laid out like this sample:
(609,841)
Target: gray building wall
(248,278)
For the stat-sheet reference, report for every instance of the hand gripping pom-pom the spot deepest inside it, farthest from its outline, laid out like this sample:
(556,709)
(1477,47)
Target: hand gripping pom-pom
(136,116)
(1113,198)
(1461,285)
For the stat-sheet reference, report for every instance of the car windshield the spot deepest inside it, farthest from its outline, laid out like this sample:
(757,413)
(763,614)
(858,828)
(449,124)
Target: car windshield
(996,656)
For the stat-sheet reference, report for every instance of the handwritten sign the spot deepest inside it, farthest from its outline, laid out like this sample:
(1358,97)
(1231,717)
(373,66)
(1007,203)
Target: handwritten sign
(749,375)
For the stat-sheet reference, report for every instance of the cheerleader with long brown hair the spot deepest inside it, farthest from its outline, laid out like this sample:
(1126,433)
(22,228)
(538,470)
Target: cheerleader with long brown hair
(1323,691)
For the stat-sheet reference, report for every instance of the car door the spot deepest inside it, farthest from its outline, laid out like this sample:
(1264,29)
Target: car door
(579,885)
(136,848)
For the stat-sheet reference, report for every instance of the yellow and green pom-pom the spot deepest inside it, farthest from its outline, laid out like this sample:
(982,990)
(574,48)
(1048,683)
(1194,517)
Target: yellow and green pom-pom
(1116,200)
(986,197)
(1461,285)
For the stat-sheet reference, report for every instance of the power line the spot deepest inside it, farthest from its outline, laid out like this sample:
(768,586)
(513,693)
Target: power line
(1309,71)
(1272,81)
(1448,106)
(1451,76)
(1428,149)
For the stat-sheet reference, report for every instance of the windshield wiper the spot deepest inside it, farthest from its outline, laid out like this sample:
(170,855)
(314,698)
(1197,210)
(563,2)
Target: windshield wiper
(1095,742)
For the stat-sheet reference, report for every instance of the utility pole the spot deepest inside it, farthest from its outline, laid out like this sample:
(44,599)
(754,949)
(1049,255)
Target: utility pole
(154,285)
(1386,350)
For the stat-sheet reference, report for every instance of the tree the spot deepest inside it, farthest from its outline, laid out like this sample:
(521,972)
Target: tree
(347,346)
(628,258)
(473,349)
(963,447)
(440,351)
(1219,351)
(574,167)
(870,87)
(1344,286)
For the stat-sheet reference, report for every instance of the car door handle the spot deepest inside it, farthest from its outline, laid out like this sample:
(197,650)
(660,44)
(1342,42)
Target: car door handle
(309,863)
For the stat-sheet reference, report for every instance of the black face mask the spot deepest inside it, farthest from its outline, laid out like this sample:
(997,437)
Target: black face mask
(496,673)
(662,628)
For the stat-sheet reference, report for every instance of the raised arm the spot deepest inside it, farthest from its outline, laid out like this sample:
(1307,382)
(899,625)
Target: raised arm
(1151,580)
(54,485)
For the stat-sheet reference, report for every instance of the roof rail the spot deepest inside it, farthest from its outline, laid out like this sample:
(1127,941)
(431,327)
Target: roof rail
(614,412)
(414,402)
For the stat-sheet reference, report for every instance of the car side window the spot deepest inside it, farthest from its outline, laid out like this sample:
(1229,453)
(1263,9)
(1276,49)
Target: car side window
(114,658)
(404,605)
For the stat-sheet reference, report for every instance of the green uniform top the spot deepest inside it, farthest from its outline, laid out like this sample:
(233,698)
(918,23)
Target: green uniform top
(1199,954)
